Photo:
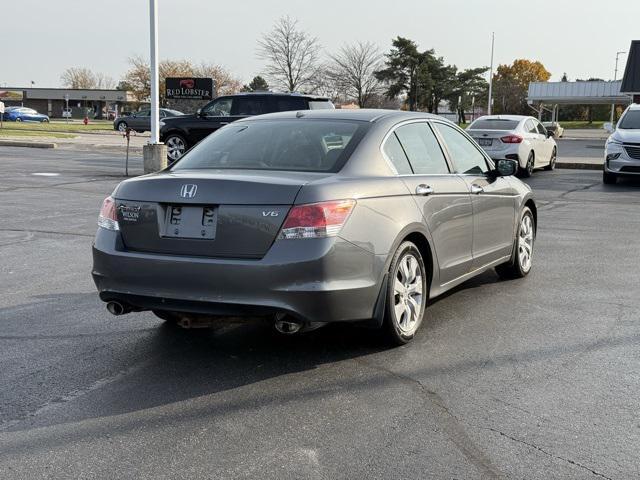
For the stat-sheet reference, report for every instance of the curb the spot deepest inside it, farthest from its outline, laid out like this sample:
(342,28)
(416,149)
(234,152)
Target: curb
(579,166)
(13,143)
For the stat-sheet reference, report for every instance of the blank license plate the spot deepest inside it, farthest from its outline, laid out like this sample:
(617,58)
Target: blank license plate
(485,142)
(190,222)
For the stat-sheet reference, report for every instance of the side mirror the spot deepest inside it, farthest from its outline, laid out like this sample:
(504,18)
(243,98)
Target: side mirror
(608,126)
(199,113)
(551,133)
(506,168)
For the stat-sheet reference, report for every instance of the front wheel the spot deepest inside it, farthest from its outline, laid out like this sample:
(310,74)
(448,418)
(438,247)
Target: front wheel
(18,119)
(406,294)
(552,160)
(122,127)
(520,264)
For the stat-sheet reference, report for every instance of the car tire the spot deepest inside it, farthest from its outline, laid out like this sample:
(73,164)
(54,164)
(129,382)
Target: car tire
(609,178)
(522,260)
(552,160)
(176,146)
(527,171)
(406,295)
(18,119)
(122,126)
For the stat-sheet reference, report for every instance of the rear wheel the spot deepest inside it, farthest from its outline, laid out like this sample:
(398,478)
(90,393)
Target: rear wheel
(552,161)
(176,146)
(528,169)
(609,178)
(520,265)
(406,294)
(18,119)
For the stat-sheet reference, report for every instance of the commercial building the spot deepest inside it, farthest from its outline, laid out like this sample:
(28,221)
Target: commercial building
(52,101)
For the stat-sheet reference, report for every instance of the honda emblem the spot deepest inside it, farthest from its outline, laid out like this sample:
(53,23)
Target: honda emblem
(188,190)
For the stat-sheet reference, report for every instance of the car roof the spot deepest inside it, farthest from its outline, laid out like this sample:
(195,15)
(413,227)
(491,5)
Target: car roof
(364,115)
(634,106)
(277,94)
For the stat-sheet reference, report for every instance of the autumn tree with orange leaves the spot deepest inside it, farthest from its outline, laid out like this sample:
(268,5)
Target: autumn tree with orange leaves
(511,84)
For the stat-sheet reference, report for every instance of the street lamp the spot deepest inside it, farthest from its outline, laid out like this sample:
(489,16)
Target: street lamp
(615,76)
(490,102)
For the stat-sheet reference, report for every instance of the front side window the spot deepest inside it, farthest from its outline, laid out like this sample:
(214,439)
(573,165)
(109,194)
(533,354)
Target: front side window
(541,129)
(288,144)
(422,149)
(394,152)
(143,113)
(464,153)
(218,108)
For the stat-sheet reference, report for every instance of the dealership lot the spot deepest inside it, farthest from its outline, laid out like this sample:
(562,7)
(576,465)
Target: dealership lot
(533,378)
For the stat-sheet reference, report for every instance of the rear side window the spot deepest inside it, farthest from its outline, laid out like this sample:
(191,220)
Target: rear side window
(466,157)
(249,106)
(530,127)
(320,105)
(289,144)
(422,149)
(286,104)
(394,152)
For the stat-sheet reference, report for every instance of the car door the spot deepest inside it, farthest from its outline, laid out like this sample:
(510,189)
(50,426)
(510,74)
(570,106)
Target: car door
(442,197)
(141,120)
(534,138)
(214,115)
(547,142)
(494,199)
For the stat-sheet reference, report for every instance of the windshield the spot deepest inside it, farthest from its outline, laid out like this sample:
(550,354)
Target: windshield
(292,144)
(631,120)
(494,124)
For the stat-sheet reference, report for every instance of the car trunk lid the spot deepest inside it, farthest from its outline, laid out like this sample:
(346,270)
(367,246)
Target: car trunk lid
(207,213)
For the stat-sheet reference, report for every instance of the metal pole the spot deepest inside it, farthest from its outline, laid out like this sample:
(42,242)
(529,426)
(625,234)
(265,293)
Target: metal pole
(493,37)
(615,76)
(153,31)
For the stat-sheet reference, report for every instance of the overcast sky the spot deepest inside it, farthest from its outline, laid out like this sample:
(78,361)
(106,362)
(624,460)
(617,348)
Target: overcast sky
(40,38)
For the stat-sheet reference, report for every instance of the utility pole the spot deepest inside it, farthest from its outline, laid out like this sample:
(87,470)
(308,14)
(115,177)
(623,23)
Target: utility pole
(615,76)
(155,153)
(493,37)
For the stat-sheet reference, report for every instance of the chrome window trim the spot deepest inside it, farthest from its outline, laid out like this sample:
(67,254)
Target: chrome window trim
(393,129)
(490,163)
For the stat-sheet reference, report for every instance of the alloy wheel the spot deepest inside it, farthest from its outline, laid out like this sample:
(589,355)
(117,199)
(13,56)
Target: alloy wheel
(122,127)
(175,147)
(408,293)
(525,243)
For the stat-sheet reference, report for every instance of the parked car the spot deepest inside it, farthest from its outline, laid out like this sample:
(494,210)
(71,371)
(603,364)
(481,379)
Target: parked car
(141,121)
(622,149)
(555,128)
(24,114)
(516,137)
(313,217)
(180,134)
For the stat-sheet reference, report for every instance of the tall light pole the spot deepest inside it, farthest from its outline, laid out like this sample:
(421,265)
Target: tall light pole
(153,41)
(155,153)
(493,37)
(615,76)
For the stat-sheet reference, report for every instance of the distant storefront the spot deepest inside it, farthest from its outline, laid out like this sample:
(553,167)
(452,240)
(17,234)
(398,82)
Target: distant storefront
(53,101)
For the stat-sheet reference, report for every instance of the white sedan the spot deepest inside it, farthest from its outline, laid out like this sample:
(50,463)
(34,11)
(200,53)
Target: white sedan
(516,137)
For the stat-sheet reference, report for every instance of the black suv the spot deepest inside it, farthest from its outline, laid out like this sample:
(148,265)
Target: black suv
(183,132)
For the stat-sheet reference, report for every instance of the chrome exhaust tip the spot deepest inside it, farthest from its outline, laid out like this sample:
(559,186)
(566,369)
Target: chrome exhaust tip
(287,325)
(117,308)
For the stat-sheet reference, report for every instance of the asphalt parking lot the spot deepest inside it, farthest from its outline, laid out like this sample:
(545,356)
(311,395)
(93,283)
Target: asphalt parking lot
(526,379)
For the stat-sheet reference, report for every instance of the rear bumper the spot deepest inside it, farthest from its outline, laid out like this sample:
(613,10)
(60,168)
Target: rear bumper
(316,280)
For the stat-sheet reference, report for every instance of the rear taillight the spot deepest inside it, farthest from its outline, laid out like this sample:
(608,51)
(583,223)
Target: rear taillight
(107,218)
(511,139)
(316,220)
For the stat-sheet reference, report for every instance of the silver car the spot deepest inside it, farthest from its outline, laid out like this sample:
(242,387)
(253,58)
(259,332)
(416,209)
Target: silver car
(311,217)
(622,150)
(517,137)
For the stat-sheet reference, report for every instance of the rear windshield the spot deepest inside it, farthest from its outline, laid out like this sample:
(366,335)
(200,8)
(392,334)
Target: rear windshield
(304,145)
(494,124)
(320,105)
(631,120)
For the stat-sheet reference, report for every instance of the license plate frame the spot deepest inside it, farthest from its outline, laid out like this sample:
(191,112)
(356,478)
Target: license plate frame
(485,142)
(190,222)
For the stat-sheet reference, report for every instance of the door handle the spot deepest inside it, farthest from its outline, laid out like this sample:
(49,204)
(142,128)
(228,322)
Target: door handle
(476,189)
(423,189)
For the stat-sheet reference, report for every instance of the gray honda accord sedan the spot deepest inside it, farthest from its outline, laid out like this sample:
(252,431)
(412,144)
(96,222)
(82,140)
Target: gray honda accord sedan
(311,217)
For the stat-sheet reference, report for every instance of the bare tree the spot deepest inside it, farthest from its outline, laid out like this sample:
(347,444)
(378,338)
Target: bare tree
(104,81)
(353,71)
(291,55)
(225,83)
(76,77)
